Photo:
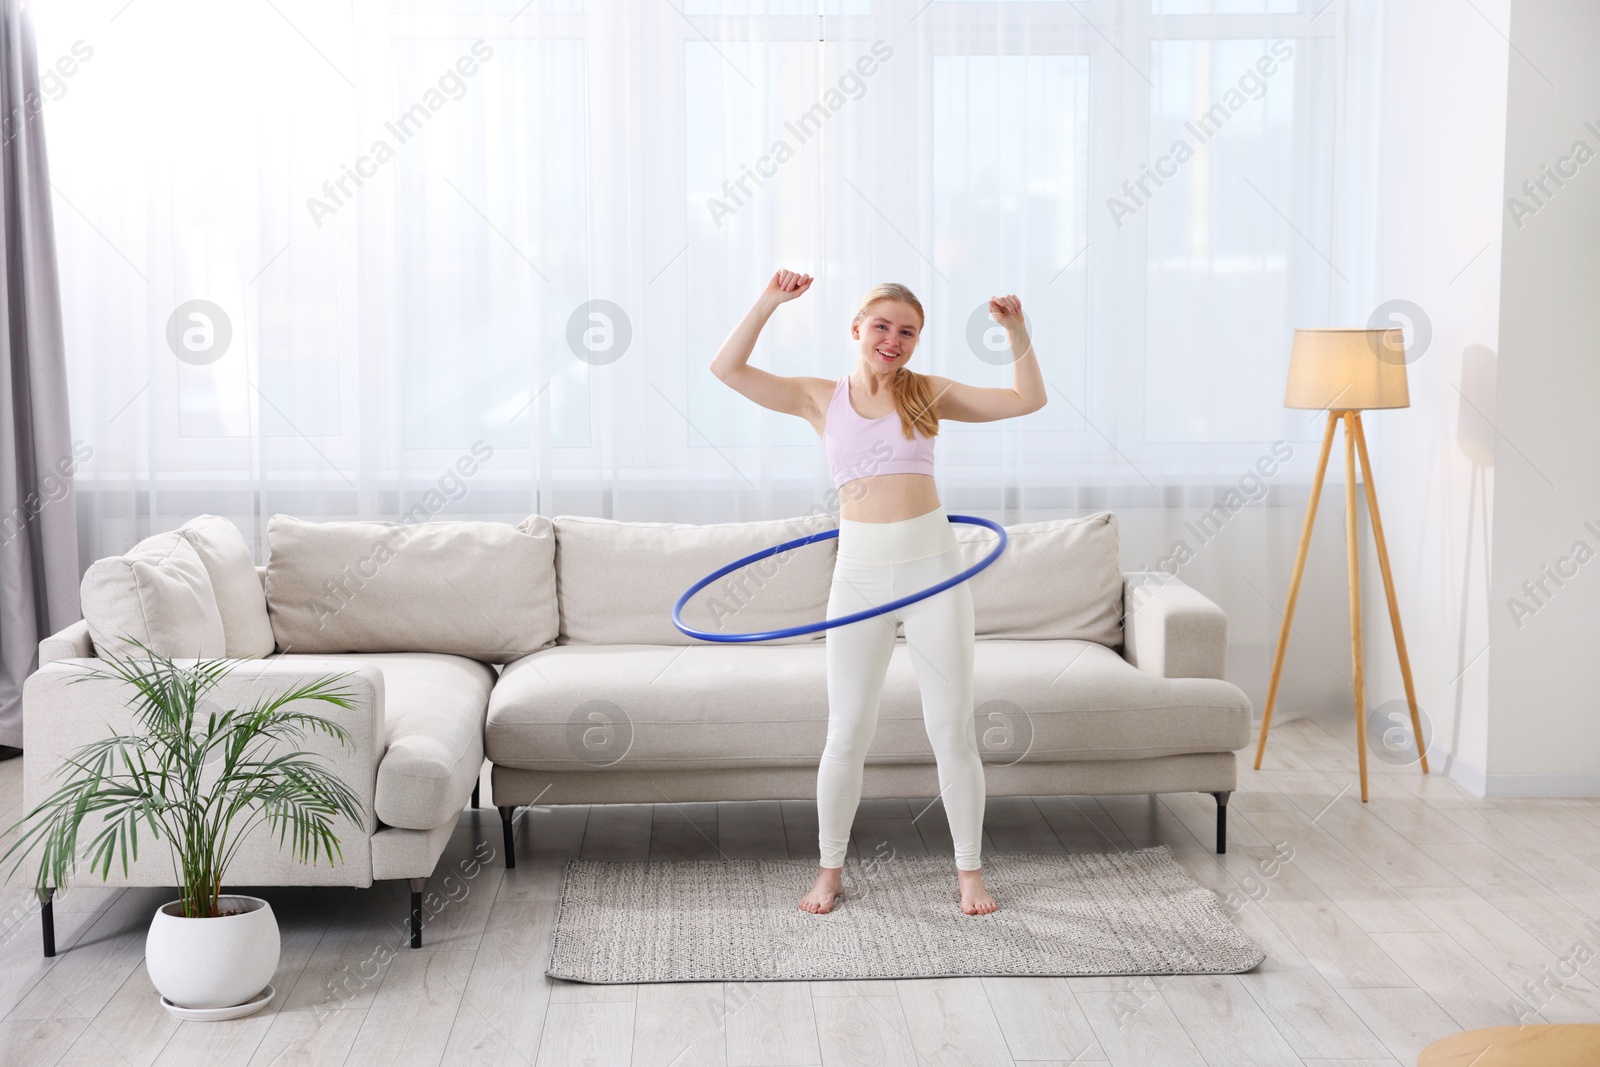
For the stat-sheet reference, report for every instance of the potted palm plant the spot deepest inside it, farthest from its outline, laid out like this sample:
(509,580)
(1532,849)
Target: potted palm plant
(202,777)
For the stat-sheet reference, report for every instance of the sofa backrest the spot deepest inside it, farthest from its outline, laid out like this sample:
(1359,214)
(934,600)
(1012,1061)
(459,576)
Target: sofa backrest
(185,592)
(496,592)
(159,594)
(617,581)
(485,590)
(1057,579)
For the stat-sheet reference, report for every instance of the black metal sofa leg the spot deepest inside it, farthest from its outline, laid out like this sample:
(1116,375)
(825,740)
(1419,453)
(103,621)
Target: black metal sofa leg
(47,920)
(417,886)
(506,815)
(1222,820)
(475,803)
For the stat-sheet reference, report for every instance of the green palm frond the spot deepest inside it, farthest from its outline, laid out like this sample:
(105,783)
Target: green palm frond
(200,778)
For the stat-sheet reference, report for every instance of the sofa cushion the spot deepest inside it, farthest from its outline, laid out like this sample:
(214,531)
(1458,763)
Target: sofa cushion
(618,581)
(702,707)
(433,709)
(1060,579)
(158,592)
(485,590)
(246,630)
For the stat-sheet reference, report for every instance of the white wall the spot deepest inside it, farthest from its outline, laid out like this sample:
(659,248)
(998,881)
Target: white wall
(1544,674)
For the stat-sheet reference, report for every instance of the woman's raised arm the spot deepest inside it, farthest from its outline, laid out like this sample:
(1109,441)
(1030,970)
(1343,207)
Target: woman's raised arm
(788,395)
(971,403)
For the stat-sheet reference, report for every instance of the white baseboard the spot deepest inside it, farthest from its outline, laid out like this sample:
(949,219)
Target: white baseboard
(1465,774)
(1575,784)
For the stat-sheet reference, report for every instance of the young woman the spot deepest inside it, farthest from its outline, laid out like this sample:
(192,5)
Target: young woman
(878,425)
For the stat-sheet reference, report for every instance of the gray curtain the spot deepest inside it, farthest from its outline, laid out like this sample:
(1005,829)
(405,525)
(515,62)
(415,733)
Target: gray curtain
(38,457)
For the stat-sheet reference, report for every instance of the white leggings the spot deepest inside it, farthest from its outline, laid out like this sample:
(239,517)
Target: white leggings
(879,562)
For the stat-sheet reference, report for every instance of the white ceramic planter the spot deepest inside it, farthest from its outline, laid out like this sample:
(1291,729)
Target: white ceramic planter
(213,963)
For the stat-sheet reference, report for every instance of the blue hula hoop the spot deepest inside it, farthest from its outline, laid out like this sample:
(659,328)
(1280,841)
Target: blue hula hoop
(813,627)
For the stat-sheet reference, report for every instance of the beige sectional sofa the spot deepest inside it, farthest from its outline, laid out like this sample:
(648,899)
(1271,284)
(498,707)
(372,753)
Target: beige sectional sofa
(1088,680)
(548,647)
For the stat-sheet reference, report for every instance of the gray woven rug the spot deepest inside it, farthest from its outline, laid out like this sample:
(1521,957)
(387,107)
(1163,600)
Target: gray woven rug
(1124,913)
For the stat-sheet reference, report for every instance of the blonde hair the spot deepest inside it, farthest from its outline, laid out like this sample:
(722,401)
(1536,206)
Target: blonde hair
(913,393)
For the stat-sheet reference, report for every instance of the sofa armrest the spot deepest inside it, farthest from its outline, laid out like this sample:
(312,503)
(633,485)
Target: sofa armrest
(1171,629)
(62,709)
(70,643)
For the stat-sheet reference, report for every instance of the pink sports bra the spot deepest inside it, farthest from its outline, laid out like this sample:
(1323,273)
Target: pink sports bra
(859,447)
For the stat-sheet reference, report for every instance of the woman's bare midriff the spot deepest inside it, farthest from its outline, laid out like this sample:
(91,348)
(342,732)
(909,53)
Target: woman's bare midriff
(888,497)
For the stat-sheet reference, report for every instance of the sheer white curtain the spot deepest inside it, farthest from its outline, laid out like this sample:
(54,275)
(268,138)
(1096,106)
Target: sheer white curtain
(476,263)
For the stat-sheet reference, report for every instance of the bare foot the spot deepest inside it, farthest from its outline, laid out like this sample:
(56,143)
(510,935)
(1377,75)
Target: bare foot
(975,899)
(824,891)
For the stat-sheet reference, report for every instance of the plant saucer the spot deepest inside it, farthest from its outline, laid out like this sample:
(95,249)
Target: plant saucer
(236,1011)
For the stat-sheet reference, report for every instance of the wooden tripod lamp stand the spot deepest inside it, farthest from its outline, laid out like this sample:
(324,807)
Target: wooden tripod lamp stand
(1345,372)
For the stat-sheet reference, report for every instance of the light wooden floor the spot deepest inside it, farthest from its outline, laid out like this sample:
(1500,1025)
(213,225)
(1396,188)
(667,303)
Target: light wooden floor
(1419,914)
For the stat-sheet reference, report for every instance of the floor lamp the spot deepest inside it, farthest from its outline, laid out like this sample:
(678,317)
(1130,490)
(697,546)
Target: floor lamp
(1345,372)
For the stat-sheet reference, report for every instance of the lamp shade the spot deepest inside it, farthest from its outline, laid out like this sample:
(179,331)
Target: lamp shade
(1342,370)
